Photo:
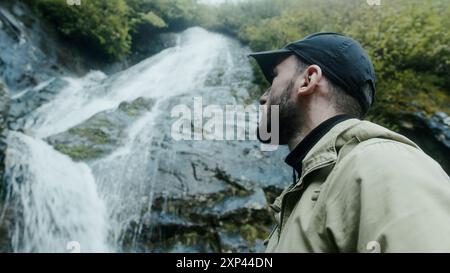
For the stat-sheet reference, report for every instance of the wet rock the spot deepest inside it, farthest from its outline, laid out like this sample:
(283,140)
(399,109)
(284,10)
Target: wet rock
(6,226)
(214,193)
(439,124)
(32,52)
(235,224)
(432,134)
(246,238)
(28,54)
(102,133)
(234,205)
(4,110)
(29,100)
(5,216)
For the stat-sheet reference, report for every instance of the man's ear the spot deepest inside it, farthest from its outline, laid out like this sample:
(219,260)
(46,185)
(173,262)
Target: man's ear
(311,78)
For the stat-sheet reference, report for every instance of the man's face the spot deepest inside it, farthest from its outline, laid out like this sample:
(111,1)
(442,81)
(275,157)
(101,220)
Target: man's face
(282,93)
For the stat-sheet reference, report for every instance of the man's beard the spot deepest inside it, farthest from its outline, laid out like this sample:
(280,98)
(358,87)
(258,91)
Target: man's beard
(288,118)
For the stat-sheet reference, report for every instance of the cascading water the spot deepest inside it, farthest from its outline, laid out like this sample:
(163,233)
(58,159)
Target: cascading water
(56,198)
(173,71)
(62,201)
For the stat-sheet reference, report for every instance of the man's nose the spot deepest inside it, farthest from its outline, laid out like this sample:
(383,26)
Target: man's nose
(263,98)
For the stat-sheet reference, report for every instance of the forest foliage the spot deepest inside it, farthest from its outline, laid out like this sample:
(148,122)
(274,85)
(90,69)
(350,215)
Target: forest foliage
(109,28)
(407,40)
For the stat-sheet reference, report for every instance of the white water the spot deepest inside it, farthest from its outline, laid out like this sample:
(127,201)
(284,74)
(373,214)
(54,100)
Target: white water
(62,200)
(173,71)
(124,175)
(58,199)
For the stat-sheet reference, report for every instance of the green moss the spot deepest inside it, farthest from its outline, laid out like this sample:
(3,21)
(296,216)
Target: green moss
(249,232)
(137,106)
(93,135)
(252,232)
(154,20)
(191,238)
(103,123)
(80,152)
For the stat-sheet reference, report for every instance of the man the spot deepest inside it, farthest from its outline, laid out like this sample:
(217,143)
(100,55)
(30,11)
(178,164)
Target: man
(360,187)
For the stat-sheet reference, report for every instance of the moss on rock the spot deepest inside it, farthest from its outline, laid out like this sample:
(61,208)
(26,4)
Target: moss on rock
(94,135)
(80,152)
(100,134)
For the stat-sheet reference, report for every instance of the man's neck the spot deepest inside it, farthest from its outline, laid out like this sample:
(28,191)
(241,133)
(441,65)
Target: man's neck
(307,126)
(303,145)
(292,143)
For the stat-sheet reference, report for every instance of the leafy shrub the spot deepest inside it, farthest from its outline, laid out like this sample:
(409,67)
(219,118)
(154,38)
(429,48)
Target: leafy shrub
(109,28)
(176,14)
(98,25)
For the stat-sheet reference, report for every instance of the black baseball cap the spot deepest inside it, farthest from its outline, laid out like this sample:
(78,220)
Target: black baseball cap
(343,61)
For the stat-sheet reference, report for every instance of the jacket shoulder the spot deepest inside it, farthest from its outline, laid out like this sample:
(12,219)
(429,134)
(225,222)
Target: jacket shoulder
(390,155)
(391,193)
(387,165)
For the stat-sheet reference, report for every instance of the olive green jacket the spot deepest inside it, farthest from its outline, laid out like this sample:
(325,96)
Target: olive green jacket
(364,188)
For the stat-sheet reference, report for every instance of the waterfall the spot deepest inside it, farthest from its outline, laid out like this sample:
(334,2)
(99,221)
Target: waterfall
(173,71)
(58,200)
(128,172)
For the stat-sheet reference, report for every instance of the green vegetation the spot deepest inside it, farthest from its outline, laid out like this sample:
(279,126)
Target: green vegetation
(111,29)
(176,14)
(407,40)
(249,233)
(100,26)
(148,18)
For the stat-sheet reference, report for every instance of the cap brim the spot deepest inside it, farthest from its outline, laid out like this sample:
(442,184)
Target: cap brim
(267,60)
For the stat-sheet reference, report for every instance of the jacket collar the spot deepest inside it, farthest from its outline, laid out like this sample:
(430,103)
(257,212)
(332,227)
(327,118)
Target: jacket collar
(326,148)
(296,157)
